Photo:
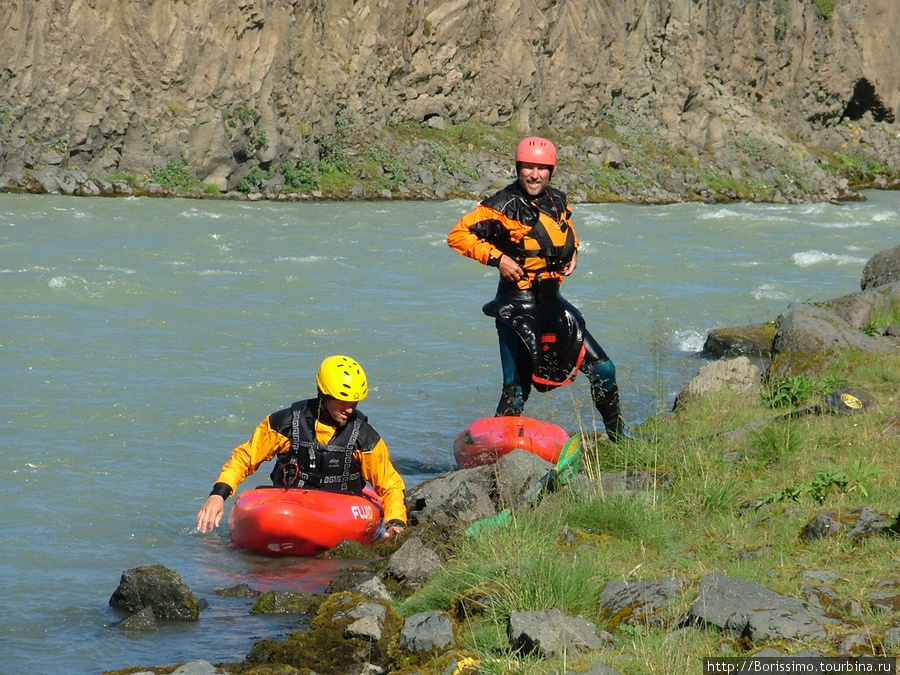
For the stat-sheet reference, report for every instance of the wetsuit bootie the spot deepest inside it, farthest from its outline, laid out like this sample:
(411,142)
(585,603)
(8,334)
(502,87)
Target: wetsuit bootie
(512,403)
(606,401)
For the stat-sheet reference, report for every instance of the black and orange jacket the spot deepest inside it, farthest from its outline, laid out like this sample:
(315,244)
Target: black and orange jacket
(536,232)
(273,437)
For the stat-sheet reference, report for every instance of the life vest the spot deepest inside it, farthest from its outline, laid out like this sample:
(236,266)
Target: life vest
(549,242)
(317,466)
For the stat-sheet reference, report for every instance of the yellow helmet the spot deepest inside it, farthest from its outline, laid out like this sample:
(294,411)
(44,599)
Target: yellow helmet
(342,378)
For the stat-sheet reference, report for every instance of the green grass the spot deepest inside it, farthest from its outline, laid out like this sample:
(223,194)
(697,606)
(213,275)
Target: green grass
(882,317)
(734,507)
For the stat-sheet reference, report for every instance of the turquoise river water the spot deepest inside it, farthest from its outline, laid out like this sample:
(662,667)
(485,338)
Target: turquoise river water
(143,339)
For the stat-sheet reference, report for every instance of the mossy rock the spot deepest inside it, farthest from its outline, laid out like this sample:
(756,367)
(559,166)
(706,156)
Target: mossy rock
(346,580)
(431,536)
(348,549)
(573,537)
(272,669)
(134,670)
(476,600)
(262,651)
(325,649)
(753,340)
(239,591)
(456,662)
(795,363)
(286,602)
(157,587)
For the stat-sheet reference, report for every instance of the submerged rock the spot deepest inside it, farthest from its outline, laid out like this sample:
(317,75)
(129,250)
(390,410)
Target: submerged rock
(159,588)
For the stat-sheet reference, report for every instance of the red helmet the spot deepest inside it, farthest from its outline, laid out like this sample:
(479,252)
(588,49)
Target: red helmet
(534,150)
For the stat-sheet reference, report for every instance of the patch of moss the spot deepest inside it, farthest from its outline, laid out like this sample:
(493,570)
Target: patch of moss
(271,669)
(348,550)
(324,648)
(812,363)
(158,670)
(286,602)
(477,600)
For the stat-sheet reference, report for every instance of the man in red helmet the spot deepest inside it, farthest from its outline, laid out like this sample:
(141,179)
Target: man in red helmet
(525,231)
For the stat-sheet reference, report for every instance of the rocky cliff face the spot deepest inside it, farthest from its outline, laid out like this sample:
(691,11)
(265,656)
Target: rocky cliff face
(105,86)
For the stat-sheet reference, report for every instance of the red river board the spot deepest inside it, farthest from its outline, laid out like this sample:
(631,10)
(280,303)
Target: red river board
(279,522)
(487,439)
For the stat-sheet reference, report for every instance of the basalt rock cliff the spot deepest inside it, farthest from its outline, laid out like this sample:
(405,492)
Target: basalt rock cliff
(798,97)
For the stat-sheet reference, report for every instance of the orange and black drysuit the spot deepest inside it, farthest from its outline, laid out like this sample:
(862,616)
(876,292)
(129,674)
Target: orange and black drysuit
(314,453)
(543,338)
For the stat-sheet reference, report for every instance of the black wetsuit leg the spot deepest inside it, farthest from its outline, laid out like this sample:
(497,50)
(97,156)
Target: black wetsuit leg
(601,373)
(516,364)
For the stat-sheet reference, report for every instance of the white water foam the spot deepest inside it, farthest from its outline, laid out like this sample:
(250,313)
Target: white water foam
(199,213)
(718,214)
(810,258)
(300,259)
(769,292)
(593,218)
(689,341)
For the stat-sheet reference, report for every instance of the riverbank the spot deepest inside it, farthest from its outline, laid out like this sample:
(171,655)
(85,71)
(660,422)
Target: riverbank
(611,164)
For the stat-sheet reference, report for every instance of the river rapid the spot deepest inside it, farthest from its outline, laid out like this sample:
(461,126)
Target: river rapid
(144,338)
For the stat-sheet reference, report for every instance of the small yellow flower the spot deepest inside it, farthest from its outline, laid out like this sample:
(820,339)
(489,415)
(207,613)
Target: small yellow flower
(466,666)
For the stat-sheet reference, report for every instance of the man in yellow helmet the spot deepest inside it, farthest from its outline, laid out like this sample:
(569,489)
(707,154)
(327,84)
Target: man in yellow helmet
(322,443)
(525,231)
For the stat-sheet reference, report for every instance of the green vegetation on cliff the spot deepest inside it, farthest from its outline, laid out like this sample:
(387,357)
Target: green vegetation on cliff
(620,160)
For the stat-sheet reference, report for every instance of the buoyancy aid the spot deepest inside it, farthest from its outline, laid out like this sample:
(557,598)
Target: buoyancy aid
(551,328)
(313,465)
(539,233)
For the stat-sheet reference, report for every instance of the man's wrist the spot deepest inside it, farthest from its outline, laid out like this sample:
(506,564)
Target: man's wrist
(221,489)
(494,262)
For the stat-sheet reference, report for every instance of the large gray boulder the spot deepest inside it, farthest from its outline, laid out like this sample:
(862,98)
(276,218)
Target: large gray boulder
(802,341)
(745,609)
(451,499)
(858,309)
(637,601)
(514,473)
(882,268)
(459,498)
(737,374)
(413,563)
(428,631)
(809,337)
(546,634)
